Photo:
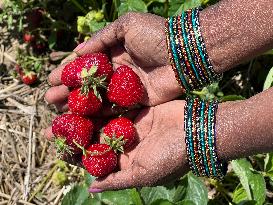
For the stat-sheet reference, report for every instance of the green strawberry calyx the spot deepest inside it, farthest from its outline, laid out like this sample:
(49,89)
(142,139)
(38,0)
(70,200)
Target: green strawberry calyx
(90,81)
(116,143)
(62,147)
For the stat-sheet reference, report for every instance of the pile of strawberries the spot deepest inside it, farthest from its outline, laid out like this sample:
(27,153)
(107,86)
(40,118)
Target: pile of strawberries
(94,86)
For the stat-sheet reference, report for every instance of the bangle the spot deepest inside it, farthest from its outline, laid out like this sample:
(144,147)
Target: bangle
(187,51)
(199,126)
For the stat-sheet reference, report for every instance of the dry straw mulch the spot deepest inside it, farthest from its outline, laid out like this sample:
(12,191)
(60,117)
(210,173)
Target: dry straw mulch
(27,160)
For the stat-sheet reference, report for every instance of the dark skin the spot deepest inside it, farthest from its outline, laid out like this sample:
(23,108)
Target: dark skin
(121,40)
(138,40)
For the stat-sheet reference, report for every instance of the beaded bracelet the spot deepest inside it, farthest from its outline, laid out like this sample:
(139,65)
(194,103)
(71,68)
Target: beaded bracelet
(199,126)
(187,51)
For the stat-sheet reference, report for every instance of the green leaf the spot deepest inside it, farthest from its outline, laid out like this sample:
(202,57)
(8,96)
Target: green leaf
(239,194)
(232,98)
(131,5)
(10,21)
(88,179)
(20,26)
(269,79)
(162,202)
(90,201)
(52,39)
(268,165)
(122,197)
(136,197)
(193,189)
(76,196)
(95,26)
(185,202)
(270,52)
(178,6)
(151,194)
(253,183)
(268,162)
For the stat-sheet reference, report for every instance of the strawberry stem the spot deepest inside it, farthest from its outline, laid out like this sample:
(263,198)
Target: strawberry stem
(84,152)
(62,147)
(117,144)
(90,81)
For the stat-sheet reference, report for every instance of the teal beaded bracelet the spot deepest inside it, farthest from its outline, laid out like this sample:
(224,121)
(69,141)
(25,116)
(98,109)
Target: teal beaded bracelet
(199,126)
(187,51)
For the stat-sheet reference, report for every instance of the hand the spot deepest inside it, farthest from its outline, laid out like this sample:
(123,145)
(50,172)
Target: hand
(136,40)
(160,155)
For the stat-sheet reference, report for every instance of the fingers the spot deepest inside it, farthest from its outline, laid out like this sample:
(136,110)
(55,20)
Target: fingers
(62,107)
(48,133)
(119,180)
(54,77)
(103,40)
(57,94)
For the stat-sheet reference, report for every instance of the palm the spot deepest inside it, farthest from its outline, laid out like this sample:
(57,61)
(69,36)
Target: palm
(160,155)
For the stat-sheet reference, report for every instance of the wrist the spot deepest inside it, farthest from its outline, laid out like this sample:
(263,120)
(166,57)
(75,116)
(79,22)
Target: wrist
(233,34)
(245,127)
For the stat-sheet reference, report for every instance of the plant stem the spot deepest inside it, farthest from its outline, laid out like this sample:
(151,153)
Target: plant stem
(41,185)
(114,9)
(106,16)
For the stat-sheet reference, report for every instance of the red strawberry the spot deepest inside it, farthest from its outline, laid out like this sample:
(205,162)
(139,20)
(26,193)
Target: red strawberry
(99,160)
(125,88)
(39,47)
(84,103)
(28,77)
(72,72)
(28,37)
(72,131)
(119,133)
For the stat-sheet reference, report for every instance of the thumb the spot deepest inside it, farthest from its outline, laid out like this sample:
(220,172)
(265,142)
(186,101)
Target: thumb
(102,40)
(119,180)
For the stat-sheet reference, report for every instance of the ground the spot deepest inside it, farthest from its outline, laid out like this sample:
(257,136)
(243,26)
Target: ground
(27,160)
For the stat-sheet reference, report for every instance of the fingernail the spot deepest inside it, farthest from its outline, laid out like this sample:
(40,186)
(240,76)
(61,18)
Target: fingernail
(94,190)
(80,46)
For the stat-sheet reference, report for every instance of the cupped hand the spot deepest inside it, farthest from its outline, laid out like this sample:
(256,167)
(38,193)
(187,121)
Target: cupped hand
(160,155)
(137,40)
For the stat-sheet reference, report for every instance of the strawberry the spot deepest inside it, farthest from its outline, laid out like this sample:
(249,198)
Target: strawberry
(119,133)
(28,38)
(28,77)
(70,131)
(99,160)
(84,103)
(72,75)
(125,88)
(39,47)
